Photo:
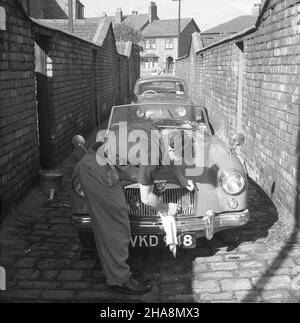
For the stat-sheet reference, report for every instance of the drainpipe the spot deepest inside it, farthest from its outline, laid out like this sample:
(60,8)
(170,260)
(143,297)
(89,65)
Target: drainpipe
(71,25)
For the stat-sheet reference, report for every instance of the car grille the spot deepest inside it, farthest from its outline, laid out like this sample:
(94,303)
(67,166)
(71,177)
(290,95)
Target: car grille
(184,199)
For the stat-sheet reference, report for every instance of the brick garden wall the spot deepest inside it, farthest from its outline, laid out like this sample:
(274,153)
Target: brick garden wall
(268,97)
(19,157)
(83,83)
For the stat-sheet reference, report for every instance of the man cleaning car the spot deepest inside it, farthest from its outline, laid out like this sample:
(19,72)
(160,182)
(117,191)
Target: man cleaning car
(106,200)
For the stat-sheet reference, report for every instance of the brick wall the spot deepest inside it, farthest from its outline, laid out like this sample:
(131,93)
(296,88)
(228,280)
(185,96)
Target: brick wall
(81,81)
(18,124)
(252,82)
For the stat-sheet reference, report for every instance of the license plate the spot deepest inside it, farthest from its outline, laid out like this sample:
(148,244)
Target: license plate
(186,241)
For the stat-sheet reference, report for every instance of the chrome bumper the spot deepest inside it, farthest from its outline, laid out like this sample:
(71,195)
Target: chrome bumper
(204,226)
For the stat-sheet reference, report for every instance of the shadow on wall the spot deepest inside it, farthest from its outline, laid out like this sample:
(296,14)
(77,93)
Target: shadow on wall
(57,127)
(291,241)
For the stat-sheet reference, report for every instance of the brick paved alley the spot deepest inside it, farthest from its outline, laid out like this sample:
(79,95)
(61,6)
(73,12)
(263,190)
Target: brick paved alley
(45,262)
(62,79)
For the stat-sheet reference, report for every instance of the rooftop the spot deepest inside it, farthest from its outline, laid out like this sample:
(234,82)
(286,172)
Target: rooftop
(137,21)
(165,28)
(84,28)
(233,26)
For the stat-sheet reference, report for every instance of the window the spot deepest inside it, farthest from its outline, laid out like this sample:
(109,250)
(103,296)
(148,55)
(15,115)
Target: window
(79,10)
(43,14)
(168,87)
(151,44)
(2,19)
(169,43)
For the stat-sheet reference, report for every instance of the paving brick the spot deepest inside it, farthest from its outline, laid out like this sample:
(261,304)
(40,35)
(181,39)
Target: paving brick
(200,260)
(275,282)
(251,264)
(275,296)
(23,274)
(58,295)
(206,286)
(175,289)
(85,264)
(236,257)
(20,294)
(200,268)
(70,275)
(282,263)
(216,275)
(178,299)
(94,294)
(219,266)
(75,285)
(38,284)
(212,297)
(236,284)
(50,275)
(248,297)
(26,262)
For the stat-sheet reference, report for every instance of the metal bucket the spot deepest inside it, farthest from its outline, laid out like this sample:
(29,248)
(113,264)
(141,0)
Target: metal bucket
(51,182)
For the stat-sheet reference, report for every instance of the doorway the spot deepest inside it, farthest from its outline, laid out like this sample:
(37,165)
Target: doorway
(42,98)
(169,65)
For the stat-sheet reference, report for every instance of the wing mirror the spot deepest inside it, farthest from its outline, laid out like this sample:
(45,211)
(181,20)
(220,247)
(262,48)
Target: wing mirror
(78,142)
(237,140)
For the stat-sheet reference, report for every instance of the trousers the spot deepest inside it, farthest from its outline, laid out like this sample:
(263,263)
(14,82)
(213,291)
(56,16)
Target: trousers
(110,222)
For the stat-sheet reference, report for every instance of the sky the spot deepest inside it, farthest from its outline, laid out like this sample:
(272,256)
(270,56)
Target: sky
(206,13)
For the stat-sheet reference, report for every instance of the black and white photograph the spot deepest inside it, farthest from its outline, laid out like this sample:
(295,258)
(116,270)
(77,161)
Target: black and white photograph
(149,154)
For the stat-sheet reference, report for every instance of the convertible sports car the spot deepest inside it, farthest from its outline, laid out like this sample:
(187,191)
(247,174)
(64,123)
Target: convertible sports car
(161,89)
(219,201)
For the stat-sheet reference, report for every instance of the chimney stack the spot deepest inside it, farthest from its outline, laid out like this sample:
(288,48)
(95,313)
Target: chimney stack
(256,9)
(152,12)
(119,16)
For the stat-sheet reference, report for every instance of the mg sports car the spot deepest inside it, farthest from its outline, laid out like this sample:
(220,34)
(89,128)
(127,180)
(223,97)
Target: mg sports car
(218,202)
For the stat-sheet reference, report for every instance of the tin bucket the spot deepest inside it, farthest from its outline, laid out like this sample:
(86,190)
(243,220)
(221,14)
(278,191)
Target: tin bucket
(50,182)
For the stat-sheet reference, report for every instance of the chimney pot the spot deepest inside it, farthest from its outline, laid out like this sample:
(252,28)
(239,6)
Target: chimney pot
(152,12)
(256,9)
(119,16)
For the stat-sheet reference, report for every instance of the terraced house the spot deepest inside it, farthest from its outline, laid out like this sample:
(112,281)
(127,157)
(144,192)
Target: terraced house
(161,38)
(161,44)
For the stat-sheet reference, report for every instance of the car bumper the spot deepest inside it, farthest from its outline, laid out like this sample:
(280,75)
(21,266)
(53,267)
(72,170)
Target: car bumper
(204,226)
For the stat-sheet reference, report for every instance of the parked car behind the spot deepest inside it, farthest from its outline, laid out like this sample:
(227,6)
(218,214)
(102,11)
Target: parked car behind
(161,89)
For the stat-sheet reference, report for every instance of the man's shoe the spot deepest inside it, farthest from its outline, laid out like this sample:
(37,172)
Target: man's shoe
(133,287)
(139,276)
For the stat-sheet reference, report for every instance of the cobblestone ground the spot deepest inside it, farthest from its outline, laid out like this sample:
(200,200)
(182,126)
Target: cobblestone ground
(45,262)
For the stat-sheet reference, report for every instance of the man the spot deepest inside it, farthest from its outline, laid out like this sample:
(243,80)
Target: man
(110,222)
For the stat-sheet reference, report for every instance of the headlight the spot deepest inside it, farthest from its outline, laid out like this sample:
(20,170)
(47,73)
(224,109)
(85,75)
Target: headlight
(77,187)
(232,182)
(181,112)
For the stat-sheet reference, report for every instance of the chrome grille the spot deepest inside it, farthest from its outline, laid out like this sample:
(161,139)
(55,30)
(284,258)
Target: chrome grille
(184,199)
